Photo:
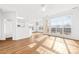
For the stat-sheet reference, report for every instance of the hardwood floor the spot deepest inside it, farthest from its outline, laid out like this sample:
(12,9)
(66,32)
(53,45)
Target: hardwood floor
(39,44)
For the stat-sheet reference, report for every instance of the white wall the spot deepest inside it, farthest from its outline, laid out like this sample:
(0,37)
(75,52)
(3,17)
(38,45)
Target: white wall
(75,24)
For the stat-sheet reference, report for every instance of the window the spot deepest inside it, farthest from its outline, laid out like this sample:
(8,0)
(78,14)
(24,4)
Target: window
(61,25)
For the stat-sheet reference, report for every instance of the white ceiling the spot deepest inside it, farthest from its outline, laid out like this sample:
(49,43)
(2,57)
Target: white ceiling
(33,11)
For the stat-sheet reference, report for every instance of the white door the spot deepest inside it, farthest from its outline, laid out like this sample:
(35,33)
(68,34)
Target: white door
(8,28)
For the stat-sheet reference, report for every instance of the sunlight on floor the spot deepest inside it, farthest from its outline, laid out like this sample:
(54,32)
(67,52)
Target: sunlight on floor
(48,43)
(32,45)
(56,44)
(60,47)
(43,50)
